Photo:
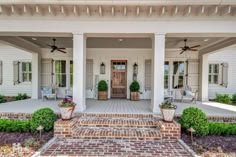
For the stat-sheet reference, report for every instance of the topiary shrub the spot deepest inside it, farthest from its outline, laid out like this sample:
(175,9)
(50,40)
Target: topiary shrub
(195,118)
(223,98)
(21,96)
(102,86)
(2,99)
(45,117)
(134,87)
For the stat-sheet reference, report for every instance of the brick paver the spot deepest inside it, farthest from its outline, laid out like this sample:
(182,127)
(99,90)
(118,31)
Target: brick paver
(115,148)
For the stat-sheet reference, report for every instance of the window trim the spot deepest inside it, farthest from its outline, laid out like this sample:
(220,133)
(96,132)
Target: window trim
(25,72)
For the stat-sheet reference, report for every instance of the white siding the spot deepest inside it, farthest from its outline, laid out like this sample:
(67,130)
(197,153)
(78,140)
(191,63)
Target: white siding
(9,54)
(229,56)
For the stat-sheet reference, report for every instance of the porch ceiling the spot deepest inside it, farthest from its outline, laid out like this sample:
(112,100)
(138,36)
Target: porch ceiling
(122,42)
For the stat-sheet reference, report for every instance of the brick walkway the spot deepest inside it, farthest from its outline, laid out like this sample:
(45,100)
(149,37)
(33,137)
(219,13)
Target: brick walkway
(114,147)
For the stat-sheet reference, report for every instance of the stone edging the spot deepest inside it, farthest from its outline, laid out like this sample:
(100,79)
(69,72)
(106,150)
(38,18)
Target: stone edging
(44,147)
(188,148)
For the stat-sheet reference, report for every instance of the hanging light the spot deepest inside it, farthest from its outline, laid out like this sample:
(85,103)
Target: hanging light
(102,68)
(135,66)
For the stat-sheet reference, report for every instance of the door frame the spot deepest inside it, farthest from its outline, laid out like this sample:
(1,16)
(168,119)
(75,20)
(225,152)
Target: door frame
(119,60)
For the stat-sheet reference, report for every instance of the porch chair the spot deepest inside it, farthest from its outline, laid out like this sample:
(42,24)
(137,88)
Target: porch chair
(48,92)
(169,95)
(188,93)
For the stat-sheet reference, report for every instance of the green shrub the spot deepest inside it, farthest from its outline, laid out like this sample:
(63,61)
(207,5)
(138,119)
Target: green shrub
(45,117)
(9,125)
(102,86)
(223,98)
(2,99)
(222,128)
(134,87)
(21,96)
(233,98)
(195,118)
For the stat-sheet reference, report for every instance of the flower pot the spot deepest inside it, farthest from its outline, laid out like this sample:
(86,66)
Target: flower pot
(134,96)
(168,114)
(66,112)
(102,95)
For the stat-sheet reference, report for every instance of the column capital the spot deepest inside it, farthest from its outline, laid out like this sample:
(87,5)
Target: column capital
(159,33)
(78,33)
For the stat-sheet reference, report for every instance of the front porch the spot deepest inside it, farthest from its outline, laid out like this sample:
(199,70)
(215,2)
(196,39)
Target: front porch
(122,106)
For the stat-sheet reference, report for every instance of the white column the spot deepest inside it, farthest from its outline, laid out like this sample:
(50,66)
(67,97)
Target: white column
(79,71)
(36,81)
(203,91)
(158,71)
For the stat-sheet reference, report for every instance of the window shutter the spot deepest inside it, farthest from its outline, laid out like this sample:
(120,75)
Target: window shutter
(89,74)
(16,73)
(46,72)
(225,68)
(148,73)
(1,75)
(192,74)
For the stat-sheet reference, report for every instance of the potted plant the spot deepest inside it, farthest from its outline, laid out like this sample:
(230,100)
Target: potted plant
(168,111)
(134,91)
(67,107)
(102,90)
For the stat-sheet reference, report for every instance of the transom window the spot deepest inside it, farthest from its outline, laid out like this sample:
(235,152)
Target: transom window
(213,74)
(26,71)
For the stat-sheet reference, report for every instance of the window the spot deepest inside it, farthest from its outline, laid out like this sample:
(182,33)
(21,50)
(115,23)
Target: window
(71,73)
(166,75)
(89,74)
(178,74)
(60,73)
(213,74)
(148,73)
(26,71)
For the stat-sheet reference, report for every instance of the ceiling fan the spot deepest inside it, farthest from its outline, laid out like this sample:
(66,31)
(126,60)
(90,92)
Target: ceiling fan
(54,47)
(187,48)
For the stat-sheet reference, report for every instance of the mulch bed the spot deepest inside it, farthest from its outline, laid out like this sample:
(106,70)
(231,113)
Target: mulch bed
(29,142)
(212,146)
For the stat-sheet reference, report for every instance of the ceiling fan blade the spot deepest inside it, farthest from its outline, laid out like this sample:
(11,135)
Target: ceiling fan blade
(195,46)
(182,52)
(49,45)
(61,51)
(53,50)
(61,48)
(190,49)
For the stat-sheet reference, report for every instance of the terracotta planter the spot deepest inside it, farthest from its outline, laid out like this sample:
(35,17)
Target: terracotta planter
(102,95)
(66,112)
(168,114)
(134,96)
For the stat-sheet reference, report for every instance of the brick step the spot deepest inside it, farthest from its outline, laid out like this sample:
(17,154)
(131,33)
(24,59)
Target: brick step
(116,122)
(116,133)
(117,115)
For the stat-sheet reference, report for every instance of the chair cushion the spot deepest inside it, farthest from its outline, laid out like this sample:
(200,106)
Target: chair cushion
(47,90)
(188,93)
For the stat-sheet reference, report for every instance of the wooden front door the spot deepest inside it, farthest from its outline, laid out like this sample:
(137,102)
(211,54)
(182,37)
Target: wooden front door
(118,78)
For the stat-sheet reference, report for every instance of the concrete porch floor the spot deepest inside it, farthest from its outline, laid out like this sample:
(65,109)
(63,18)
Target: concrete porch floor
(116,106)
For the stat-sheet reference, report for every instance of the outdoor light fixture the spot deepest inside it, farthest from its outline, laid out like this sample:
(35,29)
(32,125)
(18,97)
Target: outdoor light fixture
(102,68)
(135,71)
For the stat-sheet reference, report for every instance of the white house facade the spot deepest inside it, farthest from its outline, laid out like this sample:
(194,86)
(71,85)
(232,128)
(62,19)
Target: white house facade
(106,40)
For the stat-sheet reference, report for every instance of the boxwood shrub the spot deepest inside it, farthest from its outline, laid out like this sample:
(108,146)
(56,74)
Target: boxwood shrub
(223,98)
(45,117)
(9,125)
(102,86)
(222,128)
(195,118)
(2,99)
